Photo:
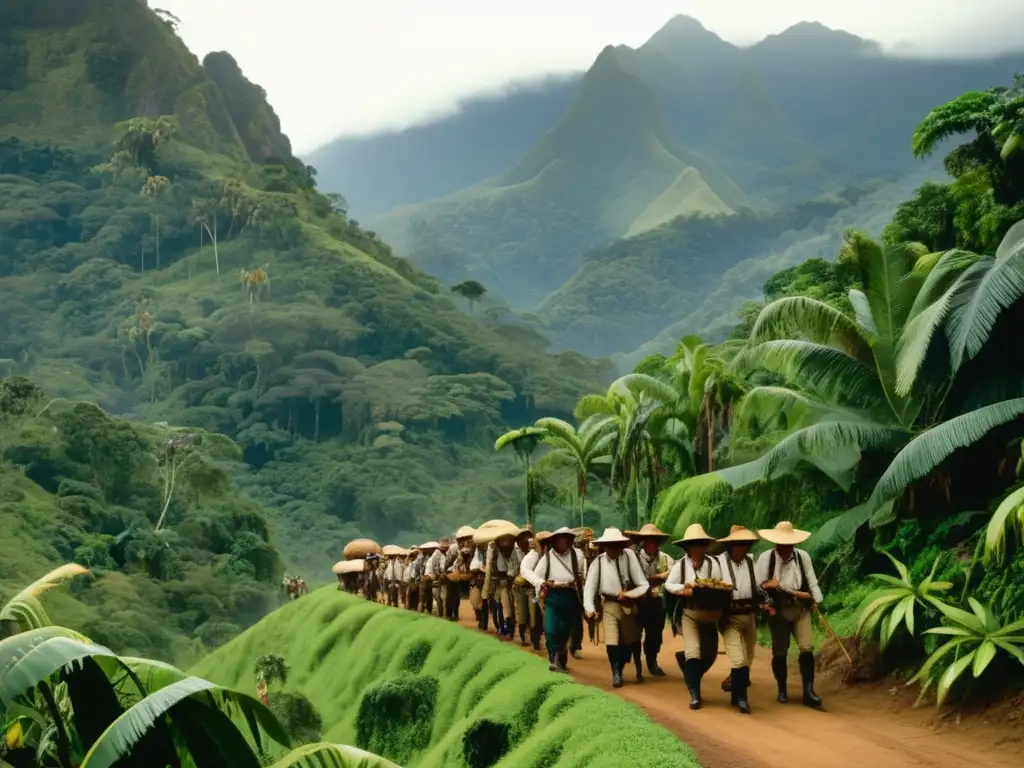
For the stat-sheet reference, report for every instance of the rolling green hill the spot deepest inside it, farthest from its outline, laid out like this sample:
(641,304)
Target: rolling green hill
(163,255)
(607,168)
(424,693)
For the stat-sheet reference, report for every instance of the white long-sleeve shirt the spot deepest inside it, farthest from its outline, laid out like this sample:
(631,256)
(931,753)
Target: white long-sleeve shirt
(434,566)
(415,569)
(479,561)
(615,576)
(552,566)
(394,571)
(526,566)
(742,588)
(683,573)
(787,572)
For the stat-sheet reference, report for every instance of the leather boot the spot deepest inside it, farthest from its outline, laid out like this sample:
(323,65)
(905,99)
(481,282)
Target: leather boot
(653,667)
(634,651)
(740,678)
(779,669)
(681,661)
(523,642)
(694,672)
(727,683)
(615,661)
(811,699)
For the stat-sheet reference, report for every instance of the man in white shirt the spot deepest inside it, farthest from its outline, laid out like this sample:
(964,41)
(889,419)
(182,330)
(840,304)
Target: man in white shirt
(522,590)
(476,586)
(527,574)
(616,581)
(437,570)
(413,572)
(651,609)
(460,555)
(394,571)
(739,624)
(700,623)
(558,578)
(431,565)
(503,563)
(787,575)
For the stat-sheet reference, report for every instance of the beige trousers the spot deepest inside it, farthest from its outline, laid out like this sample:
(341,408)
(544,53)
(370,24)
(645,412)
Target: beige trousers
(620,624)
(692,619)
(739,634)
(476,597)
(503,594)
(791,621)
(525,616)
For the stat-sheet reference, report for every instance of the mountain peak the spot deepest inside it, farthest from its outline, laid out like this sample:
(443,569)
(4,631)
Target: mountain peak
(682,34)
(807,37)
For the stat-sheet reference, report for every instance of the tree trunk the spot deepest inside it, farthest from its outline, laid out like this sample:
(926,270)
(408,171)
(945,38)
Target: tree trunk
(158,241)
(168,492)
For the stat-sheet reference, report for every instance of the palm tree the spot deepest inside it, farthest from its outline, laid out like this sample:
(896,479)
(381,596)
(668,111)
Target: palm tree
(524,442)
(470,290)
(578,450)
(846,386)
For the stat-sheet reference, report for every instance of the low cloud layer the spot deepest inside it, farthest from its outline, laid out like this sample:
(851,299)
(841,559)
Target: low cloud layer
(334,68)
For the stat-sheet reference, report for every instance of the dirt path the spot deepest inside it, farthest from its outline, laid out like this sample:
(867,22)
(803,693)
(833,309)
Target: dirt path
(863,725)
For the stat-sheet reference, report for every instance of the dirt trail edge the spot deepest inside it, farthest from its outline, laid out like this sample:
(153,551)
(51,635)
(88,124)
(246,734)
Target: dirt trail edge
(862,725)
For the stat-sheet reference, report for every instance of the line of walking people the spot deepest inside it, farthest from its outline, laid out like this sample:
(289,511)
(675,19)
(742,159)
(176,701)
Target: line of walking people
(623,587)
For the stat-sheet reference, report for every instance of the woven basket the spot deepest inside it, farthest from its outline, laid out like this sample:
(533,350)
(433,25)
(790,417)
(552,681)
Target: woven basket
(361,548)
(710,598)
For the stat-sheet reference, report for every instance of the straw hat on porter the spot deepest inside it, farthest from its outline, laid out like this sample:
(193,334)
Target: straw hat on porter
(785,534)
(694,533)
(465,532)
(563,531)
(649,531)
(612,536)
(542,536)
(429,545)
(739,534)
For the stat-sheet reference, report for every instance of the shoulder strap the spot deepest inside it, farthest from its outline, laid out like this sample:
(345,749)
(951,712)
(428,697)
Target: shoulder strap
(803,574)
(753,581)
(771,566)
(732,573)
(547,565)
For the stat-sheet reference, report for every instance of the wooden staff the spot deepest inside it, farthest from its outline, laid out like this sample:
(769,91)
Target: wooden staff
(835,637)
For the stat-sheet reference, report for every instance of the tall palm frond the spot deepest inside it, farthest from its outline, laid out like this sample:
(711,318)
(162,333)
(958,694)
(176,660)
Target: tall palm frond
(929,449)
(1006,526)
(991,286)
(813,320)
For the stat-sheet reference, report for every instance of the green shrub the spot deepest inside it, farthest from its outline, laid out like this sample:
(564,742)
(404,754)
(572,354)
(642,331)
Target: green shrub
(396,716)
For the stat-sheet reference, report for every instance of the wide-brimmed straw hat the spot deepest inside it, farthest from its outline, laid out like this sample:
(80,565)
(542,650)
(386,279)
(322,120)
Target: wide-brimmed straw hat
(542,536)
(563,531)
(694,533)
(429,545)
(739,534)
(494,530)
(784,533)
(465,532)
(612,536)
(649,531)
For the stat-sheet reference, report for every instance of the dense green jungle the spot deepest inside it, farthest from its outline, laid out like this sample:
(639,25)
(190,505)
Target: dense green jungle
(212,374)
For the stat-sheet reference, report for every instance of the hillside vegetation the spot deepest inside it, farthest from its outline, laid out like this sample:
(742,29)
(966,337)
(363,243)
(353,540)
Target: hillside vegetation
(166,257)
(180,560)
(423,693)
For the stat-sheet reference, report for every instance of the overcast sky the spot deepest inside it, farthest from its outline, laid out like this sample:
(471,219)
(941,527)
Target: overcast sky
(335,67)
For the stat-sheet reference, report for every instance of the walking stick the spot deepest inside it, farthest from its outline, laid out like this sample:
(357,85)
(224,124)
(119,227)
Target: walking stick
(835,636)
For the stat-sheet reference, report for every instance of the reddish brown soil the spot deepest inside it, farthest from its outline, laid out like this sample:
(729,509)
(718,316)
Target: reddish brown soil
(869,725)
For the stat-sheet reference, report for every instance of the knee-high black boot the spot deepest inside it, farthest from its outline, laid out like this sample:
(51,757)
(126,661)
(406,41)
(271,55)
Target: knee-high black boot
(694,672)
(615,662)
(635,651)
(681,661)
(740,678)
(779,669)
(811,699)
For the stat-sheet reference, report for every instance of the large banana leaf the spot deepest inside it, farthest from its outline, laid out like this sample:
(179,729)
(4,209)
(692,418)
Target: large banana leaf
(128,730)
(41,661)
(929,449)
(149,675)
(1006,525)
(25,609)
(15,647)
(331,756)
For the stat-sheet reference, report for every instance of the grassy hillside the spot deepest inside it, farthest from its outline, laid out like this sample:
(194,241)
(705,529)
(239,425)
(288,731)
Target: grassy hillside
(424,693)
(608,167)
(79,486)
(174,274)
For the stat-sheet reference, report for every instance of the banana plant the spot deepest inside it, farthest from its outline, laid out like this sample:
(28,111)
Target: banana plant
(976,638)
(887,609)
